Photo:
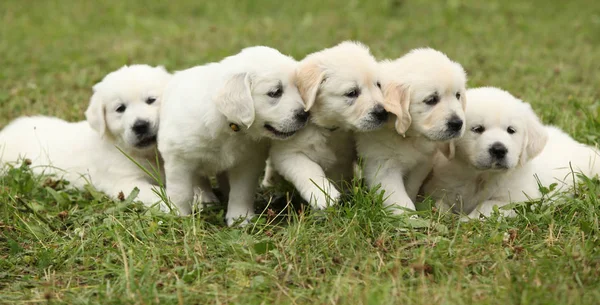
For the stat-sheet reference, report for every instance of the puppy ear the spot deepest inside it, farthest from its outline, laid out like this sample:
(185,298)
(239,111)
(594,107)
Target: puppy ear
(463,100)
(95,113)
(536,137)
(447,149)
(396,99)
(234,100)
(308,79)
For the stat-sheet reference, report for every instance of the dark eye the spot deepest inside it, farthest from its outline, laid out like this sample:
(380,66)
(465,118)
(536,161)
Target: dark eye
(432,100)
(150,100)
(378,85)
(478,129)
(458,95)
(354,93)
(510,130)
(121,108)
(276,94)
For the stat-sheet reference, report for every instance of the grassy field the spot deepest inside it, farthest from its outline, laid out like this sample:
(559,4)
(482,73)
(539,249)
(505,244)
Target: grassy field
(69,247)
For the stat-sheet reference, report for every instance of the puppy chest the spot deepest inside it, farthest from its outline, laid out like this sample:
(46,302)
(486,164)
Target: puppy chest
(217,158)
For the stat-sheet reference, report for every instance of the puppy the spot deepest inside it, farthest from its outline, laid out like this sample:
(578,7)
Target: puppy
(123,113)
(503,151)
(342,90)
(425,91)
(218,118)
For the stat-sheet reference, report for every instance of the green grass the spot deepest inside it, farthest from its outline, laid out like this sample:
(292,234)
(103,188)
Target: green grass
(60,246)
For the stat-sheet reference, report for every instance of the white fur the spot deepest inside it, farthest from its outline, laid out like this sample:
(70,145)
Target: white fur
(196,139)
(398,157)
(473,182)
(87,151)
(325,149)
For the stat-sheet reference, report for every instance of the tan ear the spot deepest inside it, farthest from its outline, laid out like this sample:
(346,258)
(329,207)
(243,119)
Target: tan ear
(447,149)
(308,79)
(234,100)
(536,137)
(95,113)
(396,99)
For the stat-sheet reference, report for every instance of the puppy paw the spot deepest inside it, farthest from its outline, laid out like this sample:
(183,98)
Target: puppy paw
(322,201)
(239,221)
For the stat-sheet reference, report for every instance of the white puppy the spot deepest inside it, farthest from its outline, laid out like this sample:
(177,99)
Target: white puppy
(123,112)
(218,118)
(342,89)
(505,147)
(425,90)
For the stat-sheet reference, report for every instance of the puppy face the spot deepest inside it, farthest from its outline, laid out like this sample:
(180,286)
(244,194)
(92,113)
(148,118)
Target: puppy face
(426,92)
(502,131)
(263,99)
(125,106)
(342,88)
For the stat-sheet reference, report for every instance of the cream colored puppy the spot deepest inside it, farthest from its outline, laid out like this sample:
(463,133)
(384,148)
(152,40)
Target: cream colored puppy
(342,90)
(505,147)
(218,118)
(123,113)
(425,90)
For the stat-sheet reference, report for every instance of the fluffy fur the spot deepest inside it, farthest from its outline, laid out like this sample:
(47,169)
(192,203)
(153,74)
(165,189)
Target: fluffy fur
(504,148)
(342,90)
(425,91)
(218,118)
(123,112)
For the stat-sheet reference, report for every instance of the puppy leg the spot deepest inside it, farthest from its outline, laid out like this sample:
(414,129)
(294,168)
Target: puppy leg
(309,179)
(415,179)
(203,191)
(392,183)
(243,182)
(271,177)
(180,186)
(486,209)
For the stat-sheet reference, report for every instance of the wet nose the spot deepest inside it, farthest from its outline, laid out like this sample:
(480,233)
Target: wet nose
(302,116)
(455,124)
(498,150)
(141,127)
(379,112)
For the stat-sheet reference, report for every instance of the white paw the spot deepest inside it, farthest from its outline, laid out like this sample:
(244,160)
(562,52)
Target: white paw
(321,201)
(239,219)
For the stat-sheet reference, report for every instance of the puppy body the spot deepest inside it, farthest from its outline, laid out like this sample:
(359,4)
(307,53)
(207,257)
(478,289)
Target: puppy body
(473,182)
(341,87)
(218,118)
(86,152)
(425,91)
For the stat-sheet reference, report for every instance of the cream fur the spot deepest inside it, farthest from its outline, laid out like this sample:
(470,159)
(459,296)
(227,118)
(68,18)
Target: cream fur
(473,182)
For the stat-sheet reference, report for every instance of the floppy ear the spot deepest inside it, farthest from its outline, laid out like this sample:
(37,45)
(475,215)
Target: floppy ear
(463,100)
(95,113)
(308,79)
(536,137)
(448,149)
(396,99)
(234,100)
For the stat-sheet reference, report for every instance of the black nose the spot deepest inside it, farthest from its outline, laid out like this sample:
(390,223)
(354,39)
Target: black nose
(141,127)
(302,116)
(455,123)
(498,150)
(380,113)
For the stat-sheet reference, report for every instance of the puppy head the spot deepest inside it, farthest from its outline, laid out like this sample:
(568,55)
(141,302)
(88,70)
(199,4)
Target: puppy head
(502,131)
(341,88)
(426,92)
(259,95)
(125,105)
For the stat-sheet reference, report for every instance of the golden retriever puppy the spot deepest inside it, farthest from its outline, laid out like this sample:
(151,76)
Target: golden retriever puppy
(425,90)
(342,90)
(502,152)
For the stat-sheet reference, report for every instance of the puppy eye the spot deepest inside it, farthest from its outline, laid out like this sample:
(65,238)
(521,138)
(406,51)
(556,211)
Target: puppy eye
(378,85)
(276,94)
(121,108)
(432,100)
(478,129)
(150,100)
(354,93)
(458,95)
(510,130)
